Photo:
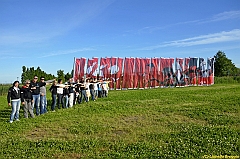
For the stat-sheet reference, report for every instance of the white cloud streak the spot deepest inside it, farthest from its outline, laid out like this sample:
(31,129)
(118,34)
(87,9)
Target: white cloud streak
(66,52)
(230,15)
(233,35)
(224,16)
(11,57)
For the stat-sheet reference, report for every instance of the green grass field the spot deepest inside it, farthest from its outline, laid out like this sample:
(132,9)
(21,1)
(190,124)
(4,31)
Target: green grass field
(191,122)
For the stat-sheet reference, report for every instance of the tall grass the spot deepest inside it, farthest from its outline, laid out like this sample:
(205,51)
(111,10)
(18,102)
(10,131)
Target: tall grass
(227,80)
(4,89)
(186,122)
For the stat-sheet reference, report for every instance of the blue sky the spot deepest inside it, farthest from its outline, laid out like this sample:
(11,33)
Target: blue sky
(50,33)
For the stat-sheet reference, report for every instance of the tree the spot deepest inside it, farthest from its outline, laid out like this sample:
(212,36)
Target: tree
(68,76)
(224,66)
(29,73)
(60,74)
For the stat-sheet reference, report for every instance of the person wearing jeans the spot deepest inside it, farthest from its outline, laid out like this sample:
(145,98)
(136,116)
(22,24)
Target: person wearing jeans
(66,95)
(43,99)
(95,84)
(35,87)
(26,98)
(13,98)
(60,99)
(71,94)
(91,87)
(83,92)
(43,104)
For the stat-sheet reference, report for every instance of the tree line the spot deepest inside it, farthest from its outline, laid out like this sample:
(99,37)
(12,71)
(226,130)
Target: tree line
(223,66)
(29,73)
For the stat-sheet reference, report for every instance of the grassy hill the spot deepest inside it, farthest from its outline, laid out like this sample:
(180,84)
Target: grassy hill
(191,122)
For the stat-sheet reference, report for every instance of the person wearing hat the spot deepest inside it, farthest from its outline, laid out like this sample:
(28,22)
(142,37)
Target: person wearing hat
(43,99)
(26,98)
(14,100)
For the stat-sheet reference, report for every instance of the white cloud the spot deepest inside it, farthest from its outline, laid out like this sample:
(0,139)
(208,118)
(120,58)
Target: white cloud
(215,18)
(225,16)
(225,36)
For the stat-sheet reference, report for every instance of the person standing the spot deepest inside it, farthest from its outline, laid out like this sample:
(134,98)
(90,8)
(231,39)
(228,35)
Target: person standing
(27,98)
(13,98)
(87,84)
(77,93)
(60,99)
(43,98)
(95,83)
(104,89)
(35,86)
(71,93)
(91,87)
(53,90)
(83,91)
(66,95)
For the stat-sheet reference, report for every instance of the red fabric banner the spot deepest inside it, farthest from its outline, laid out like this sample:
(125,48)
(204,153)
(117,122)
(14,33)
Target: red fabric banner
(201,72)
(131,70)
(141,73)
(186,71)
(159,75)
(92,66)
(76,69)
(104,69)
(119,73)
(89,67)
(137,73)
(108,74)
(82,68)
(210,70)
(128,73)
(162,72)
(170,65)
(146,72)
(113,71)
(192,70)
(166,71)
(179,71)
(125,74)
(153,72)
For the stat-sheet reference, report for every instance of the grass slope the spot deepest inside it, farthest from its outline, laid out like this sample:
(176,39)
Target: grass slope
(165,123)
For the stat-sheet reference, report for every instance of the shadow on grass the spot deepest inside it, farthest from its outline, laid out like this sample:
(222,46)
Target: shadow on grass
(5,115)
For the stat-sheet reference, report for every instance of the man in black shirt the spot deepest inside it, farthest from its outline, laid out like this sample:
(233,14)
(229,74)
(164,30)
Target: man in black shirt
(91,87)
(83,91)
(35,87)
(27,98)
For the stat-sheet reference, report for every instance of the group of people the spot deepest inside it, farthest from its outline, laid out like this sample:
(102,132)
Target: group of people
(71,93)
(33,95)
